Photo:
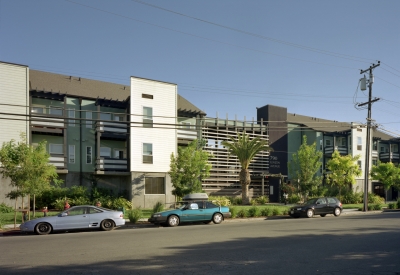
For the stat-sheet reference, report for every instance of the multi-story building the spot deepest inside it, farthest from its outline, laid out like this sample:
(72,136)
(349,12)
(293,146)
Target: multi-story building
(121,137)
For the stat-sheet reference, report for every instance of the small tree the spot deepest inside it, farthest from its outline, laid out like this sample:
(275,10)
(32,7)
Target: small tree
(27,167)
(387,174)
(245,149)
(342,170)
(303,168)
(189,168)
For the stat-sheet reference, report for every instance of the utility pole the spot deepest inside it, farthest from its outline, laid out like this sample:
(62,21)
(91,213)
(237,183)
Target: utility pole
(368,142)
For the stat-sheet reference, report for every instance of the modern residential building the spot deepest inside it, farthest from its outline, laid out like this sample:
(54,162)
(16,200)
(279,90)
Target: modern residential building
(121,137)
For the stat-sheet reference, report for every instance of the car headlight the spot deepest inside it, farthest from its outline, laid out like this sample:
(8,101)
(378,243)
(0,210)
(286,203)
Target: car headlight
(156,215)
(299,208)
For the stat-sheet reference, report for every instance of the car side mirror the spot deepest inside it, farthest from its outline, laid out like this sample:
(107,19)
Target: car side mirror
(318,203)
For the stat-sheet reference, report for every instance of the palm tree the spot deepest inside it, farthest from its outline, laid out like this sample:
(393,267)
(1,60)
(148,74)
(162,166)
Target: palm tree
(245,150)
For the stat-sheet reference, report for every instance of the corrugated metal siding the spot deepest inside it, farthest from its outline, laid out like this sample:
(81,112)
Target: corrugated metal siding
(13,92)
(163,133)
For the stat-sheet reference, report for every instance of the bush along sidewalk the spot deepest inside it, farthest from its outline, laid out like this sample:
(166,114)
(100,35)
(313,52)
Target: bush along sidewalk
(257,211)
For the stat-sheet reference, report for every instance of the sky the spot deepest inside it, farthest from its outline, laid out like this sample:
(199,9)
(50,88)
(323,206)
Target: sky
(227,57)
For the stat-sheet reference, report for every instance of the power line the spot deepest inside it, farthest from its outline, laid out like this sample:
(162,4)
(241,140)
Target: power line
(339,55)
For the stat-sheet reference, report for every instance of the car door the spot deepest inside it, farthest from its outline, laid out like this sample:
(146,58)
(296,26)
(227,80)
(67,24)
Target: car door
(73,218)
(320,207)
(192,212)
(209,210)
(332,204)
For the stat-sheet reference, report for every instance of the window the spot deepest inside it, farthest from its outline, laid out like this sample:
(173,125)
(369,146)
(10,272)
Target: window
(147,153)
(56,149)
(71,153)
(211,142)
(382,149)
(185,125)
(394,147)
(375,145)
(154,186)
(57,111)
(105,152)
(105,116)
(359,143)
(374,162)
(71,114)
(88,155)
(147,117)
(37,110)
(320,144)
(147,96)
(341,141)
(88,119)
(118,117)
(359,163)
(328,142)
(118,153)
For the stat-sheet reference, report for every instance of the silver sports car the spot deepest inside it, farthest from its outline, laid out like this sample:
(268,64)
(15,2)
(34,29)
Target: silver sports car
(77,217)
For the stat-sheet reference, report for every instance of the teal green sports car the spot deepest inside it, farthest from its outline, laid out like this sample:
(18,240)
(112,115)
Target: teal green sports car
(192,211)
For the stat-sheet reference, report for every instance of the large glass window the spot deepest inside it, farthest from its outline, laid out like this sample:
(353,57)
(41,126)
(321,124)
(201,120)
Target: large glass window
(56,149)
(88,155)
(105,152)
(71,153)
(71,114)
(118,117)
(118,153)
(147,117)
(154,185)
(88,119)
(105,116)
(359,143)
(57,111)
(147,153)
(37,110)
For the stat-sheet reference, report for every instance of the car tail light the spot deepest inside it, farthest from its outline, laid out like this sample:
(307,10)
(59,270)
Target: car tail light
(340,204)
(121,216)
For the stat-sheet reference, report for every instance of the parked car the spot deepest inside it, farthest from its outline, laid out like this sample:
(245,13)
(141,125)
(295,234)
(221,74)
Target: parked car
(194,208)
(317,206)
(77,217)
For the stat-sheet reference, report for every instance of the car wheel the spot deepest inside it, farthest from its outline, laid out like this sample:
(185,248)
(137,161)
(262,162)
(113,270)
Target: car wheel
(310,213)
(323,215)
(217,218)
(107,225)
(337,212)
(43,228)
(173,220)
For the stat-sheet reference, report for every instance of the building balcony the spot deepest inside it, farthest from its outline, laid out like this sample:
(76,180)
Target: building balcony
(59,161)
(389,156)
(47,124)
(113,130)
(186,135)
(374,154)
(112,164)
(343,150)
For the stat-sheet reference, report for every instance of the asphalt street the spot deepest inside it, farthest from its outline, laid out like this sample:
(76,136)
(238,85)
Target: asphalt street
(349,244)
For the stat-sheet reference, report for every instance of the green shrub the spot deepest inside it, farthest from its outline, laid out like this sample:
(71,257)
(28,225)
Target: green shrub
(235,200)
(158,207)
(134,215)
(118,203)
(254,211)
(58,204)
(221,201)
(234,211)
(293,198)
(242,213)
(5,209)
(266,212)
(398,203)
(262,200)
(79,201)
(276,211)
(352,197)
(392,205)
(375,199)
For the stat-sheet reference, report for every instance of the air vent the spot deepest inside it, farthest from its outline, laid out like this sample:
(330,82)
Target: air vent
(147,96)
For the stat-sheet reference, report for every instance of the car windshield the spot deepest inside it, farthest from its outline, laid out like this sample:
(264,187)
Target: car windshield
(183,205)
(311,201)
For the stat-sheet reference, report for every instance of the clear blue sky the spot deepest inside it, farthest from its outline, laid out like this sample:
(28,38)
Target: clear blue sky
(227,56)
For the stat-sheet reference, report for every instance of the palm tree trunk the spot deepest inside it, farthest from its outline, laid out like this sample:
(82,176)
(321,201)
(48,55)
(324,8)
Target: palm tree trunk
(245,180)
